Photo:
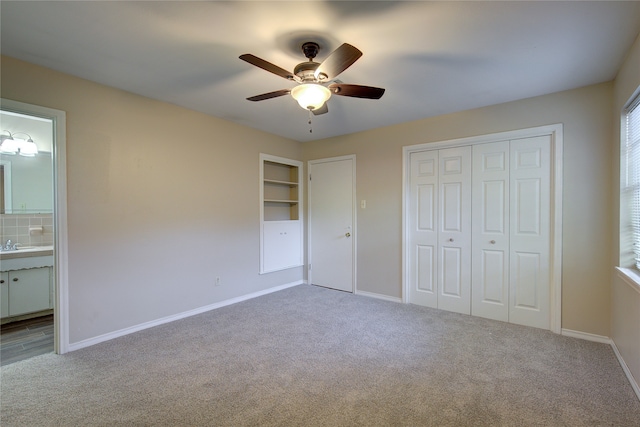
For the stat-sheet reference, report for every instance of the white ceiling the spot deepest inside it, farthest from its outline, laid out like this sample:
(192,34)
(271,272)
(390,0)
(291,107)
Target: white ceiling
(432,57)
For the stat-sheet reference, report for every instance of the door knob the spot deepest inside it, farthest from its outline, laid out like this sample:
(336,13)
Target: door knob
(347,234)
(493,242)
(451,240)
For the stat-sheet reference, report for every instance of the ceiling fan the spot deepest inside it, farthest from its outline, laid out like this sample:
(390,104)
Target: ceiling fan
(316,81)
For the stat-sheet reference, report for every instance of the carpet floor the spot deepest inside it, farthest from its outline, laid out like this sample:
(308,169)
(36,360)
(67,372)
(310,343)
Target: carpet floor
(309,356)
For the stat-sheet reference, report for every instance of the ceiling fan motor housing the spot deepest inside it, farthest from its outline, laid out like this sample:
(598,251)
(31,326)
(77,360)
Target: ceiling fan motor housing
(306,70)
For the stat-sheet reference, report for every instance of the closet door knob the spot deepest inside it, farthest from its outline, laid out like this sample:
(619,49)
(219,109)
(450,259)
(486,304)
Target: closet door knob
(451,239)
(15,279)
(347,234)
(493,242)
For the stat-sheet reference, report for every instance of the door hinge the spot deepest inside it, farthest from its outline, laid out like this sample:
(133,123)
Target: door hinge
(309,266)
(309,177)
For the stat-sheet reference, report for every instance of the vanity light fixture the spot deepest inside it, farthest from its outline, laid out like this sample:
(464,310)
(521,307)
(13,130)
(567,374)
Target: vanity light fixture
(11,145)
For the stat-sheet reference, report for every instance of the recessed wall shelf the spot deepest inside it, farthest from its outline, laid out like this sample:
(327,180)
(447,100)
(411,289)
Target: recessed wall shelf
(280,224)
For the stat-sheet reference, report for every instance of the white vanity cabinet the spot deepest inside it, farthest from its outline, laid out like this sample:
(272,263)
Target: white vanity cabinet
(29,290)
(26,283)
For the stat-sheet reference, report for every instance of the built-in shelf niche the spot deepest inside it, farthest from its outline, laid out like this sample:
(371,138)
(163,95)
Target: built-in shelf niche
(280,184)
(280,224)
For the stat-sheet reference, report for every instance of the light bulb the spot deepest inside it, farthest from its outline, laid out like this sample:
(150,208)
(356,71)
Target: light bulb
(9,146)
(310,96)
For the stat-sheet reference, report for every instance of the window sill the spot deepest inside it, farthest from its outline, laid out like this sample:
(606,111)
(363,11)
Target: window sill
(630,276)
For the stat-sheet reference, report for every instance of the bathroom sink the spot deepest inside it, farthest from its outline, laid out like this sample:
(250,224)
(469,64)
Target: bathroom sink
(27,251)
(19,248)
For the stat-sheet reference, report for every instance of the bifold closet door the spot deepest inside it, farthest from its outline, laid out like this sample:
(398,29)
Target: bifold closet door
(454,234)
(530,237)
(511,231)
(423,228)
(490,236)
(440,229)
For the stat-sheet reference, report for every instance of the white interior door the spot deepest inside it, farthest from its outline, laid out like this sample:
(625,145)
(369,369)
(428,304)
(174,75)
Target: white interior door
(331,223)
(490,235)
(423,228)
(454,237)
(440,229)
(530,218)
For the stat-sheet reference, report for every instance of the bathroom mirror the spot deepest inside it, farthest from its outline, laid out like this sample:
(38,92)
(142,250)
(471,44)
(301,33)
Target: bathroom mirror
(27,184)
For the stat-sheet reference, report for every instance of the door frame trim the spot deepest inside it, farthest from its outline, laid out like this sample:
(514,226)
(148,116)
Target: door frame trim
(60,244)
(556,133)
(354,217)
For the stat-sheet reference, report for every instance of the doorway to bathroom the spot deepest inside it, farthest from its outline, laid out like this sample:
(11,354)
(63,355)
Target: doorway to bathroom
(33,238)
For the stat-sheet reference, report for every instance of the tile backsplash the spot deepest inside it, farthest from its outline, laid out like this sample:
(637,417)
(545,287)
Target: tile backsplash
(16,227)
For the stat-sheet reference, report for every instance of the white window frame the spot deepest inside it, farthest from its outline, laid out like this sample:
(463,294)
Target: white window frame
(629,268)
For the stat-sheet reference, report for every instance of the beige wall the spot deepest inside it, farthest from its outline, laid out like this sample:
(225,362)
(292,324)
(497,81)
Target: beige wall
(625,307)
(161,200)
(585,114)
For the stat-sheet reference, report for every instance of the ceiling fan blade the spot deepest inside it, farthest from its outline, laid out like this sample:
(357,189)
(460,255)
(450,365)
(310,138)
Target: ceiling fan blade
(268,66)
(269,95)
(322,110)
(356,91)
(338,61)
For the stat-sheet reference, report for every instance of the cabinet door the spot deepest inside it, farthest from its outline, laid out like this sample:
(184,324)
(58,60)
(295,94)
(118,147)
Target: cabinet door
(4,296)
(281,245)
(29,291)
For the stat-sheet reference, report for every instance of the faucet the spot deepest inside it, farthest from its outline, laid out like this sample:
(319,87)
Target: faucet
(10,246)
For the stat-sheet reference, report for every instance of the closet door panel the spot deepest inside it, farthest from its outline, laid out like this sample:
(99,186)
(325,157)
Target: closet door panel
(490,223)
(425,268)
(423,231)
(454,237)
(530,245)
(452,272)
(527,281)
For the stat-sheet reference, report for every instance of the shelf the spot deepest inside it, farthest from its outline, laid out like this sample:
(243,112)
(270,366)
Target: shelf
(293,202)
(277,182)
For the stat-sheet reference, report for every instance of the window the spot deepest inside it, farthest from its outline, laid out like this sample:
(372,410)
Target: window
(630,186)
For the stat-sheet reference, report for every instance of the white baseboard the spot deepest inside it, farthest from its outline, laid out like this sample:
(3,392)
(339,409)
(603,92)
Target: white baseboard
(126,331)
(627,371)
(607,340)
(378,296)
(586,336)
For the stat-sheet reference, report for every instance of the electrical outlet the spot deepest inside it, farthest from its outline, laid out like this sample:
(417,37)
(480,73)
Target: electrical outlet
(218,281)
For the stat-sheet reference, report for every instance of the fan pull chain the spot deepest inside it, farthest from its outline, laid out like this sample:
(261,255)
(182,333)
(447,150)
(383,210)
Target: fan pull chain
(310,117)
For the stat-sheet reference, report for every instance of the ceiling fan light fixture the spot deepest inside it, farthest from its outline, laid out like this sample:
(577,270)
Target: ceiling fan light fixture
(310,96)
